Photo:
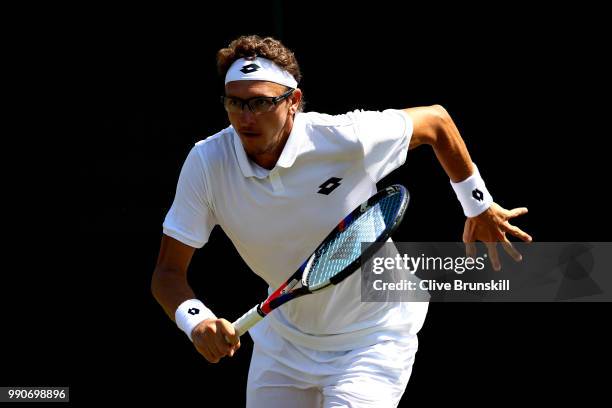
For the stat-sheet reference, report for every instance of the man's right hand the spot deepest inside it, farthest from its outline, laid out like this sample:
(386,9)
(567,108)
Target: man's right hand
(211,337)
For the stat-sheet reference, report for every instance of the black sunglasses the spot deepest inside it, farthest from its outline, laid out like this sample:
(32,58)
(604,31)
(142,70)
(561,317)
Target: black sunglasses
(259,104)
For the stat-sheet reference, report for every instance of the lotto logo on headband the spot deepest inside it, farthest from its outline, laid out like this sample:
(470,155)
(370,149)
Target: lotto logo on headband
(247,69)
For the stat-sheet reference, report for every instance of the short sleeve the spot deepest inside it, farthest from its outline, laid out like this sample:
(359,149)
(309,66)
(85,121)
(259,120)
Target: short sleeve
(191,219)
(385,137)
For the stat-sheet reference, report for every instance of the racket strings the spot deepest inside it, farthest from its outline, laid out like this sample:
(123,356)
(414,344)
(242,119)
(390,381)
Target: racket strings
(345,247)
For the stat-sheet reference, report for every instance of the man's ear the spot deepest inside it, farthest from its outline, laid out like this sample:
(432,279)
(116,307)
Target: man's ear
(296,98)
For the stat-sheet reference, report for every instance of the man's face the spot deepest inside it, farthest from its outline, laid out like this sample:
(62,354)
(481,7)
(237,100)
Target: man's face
(261,133)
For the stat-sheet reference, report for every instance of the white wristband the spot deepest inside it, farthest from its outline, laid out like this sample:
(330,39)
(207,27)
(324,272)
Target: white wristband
(190,313)
(473,194)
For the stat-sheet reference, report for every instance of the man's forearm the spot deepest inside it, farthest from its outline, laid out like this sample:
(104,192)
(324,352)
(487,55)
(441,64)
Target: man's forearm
(433,126)
(451,151)
(170,291)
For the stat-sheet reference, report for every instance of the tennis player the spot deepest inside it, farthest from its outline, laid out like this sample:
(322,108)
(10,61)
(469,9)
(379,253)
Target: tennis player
(277,181)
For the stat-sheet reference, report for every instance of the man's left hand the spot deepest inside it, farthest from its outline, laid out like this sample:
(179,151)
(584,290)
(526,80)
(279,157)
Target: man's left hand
(491,227)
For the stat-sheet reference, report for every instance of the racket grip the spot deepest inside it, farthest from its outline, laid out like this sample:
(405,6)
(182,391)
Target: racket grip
(248,320)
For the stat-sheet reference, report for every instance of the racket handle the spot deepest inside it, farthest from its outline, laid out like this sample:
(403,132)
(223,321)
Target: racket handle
(248,320)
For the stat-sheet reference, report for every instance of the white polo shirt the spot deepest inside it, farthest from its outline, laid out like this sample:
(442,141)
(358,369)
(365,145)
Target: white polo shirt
(276,218)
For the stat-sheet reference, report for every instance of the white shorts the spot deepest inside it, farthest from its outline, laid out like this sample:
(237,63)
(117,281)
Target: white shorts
(283,374)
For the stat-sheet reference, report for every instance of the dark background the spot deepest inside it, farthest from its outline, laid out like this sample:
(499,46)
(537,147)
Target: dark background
(524,85)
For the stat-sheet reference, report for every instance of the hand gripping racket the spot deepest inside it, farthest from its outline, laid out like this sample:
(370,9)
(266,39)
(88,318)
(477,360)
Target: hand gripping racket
(340,254)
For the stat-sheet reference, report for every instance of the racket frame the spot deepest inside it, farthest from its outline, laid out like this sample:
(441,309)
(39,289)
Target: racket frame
(286,291)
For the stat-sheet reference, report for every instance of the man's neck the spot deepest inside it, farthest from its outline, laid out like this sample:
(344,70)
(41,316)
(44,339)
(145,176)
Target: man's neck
(269,159)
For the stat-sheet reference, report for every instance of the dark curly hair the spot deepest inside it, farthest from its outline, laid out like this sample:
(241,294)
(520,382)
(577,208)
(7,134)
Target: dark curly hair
(251,46)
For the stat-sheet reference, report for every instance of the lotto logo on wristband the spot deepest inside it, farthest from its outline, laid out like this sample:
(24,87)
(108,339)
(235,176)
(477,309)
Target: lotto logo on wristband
(472,194)
(190,313)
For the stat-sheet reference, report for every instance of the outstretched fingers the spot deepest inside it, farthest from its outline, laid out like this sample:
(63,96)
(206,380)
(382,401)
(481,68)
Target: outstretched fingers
(516,212)
(516,231)
(493,255)
(510,250)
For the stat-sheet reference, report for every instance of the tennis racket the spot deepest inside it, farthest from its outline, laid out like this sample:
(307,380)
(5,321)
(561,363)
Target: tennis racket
(340,254)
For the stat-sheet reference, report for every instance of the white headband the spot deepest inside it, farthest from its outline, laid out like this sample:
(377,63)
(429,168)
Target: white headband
(259,69)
